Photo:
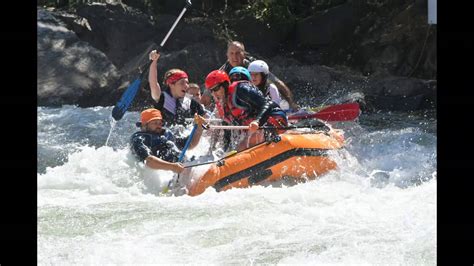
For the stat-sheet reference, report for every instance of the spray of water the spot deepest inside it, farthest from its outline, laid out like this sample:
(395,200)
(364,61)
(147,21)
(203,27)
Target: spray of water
(112,125)
(97,205)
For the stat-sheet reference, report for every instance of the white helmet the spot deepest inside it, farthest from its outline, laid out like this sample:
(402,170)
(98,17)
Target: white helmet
(259,66)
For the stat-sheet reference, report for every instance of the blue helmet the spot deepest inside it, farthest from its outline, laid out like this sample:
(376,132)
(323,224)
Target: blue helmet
(244,73)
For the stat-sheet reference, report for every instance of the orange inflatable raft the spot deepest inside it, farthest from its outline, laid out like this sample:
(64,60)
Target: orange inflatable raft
(301,156)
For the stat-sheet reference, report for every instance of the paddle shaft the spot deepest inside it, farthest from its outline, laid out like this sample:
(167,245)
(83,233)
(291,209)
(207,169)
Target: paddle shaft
(188,4)
(212,127)
(181,156)
(129,95)
(199,164)
(232,153)
(208,120)
(188,142)
(228,127)
(147,65)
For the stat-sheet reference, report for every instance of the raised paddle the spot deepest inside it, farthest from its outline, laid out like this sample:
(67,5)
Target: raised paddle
(339,112)
(127,97)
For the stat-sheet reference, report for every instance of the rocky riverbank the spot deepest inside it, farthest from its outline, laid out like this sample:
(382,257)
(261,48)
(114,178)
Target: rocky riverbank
(384,59)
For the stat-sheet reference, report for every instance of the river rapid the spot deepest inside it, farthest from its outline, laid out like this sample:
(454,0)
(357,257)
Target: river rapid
(96,204)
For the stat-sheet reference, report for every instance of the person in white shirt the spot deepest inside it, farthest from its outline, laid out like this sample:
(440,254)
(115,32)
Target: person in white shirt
(259,72)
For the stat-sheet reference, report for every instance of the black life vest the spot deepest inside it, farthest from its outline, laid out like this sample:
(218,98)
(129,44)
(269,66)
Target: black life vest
(161,146)
(231,112)
(175,111)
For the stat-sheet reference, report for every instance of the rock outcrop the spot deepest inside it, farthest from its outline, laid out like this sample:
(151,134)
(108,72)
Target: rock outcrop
(70,70)
(91,56)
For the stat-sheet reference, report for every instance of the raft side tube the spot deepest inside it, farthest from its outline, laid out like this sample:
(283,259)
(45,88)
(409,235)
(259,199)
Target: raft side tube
(300,156)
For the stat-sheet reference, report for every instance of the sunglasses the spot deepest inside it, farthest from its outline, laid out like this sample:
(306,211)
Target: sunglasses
(216,88)
(235,77)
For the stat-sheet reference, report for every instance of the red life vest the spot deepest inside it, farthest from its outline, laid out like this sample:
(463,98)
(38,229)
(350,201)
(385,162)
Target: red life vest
(231,113)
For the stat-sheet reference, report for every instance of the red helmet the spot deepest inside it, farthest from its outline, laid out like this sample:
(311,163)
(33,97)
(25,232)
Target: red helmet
(216,77)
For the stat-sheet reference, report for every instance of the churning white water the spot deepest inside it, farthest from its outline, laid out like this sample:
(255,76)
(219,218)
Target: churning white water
(96,205)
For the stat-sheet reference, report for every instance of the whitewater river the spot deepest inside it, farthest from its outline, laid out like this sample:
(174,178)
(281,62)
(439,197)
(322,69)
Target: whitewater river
(95,204)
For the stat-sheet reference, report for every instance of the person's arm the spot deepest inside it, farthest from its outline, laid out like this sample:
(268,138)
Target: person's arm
(248,97)
(284,90)
(143,153)
(274,94)
(153,76)
(138,146)
(157,163)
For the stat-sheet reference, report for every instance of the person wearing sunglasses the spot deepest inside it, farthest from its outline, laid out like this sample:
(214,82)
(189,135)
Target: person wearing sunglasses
(239,102)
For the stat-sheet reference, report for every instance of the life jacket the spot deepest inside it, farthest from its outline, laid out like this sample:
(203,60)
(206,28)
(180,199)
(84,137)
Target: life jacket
(174,111)
(161,146)
(231,112)
(266,90)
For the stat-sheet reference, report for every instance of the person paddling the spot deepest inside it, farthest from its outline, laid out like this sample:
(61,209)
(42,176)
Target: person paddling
(241,103)
(171,101)
(157,146)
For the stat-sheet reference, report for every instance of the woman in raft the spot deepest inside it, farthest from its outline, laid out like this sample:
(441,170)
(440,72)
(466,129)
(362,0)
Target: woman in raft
(241,103)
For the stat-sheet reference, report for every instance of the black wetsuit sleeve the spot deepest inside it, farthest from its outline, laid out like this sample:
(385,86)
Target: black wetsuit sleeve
(252,99)
(139,148)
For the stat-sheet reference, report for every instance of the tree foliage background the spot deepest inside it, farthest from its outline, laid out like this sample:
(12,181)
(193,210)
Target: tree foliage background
(265,10)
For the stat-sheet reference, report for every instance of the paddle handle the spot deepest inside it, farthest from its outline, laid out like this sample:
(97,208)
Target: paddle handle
(188,4)
(129,94)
